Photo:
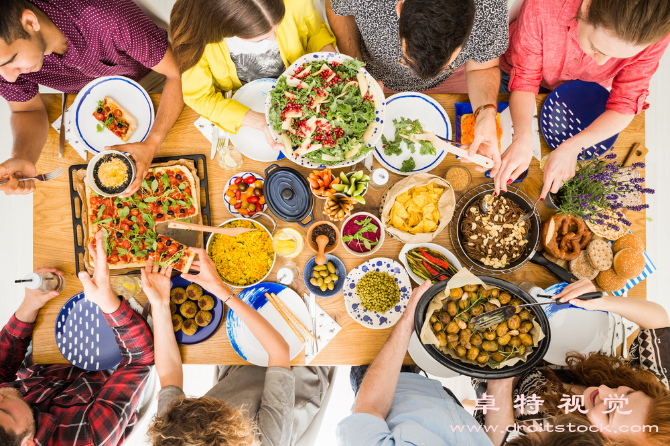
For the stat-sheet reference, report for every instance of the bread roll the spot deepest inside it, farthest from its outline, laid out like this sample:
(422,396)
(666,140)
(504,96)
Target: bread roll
(599,254)
(628,241)
(609,281)
(581,267)
(628,263)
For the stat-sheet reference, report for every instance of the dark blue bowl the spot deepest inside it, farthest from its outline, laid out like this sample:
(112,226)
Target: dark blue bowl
(203,333)
(340,270)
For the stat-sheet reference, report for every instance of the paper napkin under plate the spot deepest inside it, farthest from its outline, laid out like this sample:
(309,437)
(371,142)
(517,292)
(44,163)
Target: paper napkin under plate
(71,134)
(326,329)
(205,127)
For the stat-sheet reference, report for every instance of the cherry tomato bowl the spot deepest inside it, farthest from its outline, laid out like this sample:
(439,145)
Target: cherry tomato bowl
(244,195)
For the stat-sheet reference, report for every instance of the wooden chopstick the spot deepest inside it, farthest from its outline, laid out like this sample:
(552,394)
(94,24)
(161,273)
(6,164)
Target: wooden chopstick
(294,319)
(279,310)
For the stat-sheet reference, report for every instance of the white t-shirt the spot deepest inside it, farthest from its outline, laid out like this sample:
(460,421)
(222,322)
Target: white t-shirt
(255,60)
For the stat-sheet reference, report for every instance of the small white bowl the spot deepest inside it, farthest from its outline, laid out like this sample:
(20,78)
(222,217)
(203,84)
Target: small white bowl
(96,159)
(409,246)
(365,191)
(377,246)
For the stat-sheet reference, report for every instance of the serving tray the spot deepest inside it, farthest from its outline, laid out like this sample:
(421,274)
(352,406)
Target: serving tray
(77,216)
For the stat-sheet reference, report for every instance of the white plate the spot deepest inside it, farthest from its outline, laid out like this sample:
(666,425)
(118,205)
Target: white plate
(232,179)
(251,142)
(126,92)
(241,338)
(352,300)
(450,258)
(433,118)
(380,112)
(427,363)
(573,328)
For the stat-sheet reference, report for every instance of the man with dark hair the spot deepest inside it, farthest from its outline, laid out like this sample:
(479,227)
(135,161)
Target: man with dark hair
(62,404)
(65,44)
(416,45)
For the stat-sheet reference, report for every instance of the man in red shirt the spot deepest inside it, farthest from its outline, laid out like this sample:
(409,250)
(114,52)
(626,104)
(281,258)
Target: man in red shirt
(62,404)
(616,43)
(65,44)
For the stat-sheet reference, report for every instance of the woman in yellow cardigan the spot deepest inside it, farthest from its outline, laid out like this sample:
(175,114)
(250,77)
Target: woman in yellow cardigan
(220,44)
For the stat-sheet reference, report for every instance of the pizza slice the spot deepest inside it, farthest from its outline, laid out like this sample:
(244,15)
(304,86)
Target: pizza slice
(114,117)
(168,252)
(171,193)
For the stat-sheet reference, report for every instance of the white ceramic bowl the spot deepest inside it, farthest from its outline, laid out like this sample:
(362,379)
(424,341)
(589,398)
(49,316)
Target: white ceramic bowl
(450,258)
(274,258)
(381,237)
(380,112)
(365,191)
(96,159)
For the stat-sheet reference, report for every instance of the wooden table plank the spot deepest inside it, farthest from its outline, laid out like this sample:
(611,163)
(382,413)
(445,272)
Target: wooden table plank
(355,344)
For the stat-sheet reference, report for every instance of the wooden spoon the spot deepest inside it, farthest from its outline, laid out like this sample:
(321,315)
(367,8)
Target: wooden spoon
(215,229)
(321,242)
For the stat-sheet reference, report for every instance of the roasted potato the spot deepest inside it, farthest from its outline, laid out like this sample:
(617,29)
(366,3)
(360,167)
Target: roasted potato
(514,322)
(490,346)
(437,326)
(488,306)
(452,308)
(502,329)
(433,318)
(484,293)
(471,288)
(476,310)
(453,327)
(516,302)
(526,339)
(456,293)
(495,292)
(463,304)
(524,315)
(515,341)
(526,326)
(483,358)
(460,350)
(452,338)
(490,335)
(473,353)
(505,298)
(445,318)
(497,357)
(476,339)
(521,349)
(442,338)
(504,340)
(464,336)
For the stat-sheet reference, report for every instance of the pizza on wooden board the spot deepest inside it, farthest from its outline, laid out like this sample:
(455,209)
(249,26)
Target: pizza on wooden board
(128,224)
(115,118)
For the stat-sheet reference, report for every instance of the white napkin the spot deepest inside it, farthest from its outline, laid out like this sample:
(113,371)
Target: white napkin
(205,127)
(326,329)
(619,330)
(71,134)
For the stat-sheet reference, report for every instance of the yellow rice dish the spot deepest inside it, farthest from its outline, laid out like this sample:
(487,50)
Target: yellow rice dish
(243,260)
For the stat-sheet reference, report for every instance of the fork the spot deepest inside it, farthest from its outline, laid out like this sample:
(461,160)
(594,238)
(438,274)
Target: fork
(41,177)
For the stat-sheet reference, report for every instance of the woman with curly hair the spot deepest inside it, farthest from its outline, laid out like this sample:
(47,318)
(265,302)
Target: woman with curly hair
(221,44)
(624,401)
(250,405)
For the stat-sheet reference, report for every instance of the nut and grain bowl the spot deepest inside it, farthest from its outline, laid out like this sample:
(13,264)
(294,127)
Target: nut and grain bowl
(243,260)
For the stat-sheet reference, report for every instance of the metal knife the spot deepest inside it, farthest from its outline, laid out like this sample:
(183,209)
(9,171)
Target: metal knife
(61,139)
(215,140)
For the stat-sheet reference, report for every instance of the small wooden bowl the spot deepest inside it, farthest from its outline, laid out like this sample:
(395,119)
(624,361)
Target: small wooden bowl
(312,244)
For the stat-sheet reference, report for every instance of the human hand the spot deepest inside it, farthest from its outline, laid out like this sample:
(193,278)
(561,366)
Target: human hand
(514,161)
(257,120)
(208,276)
(571,293)
(486,141)
(408,316)
(156,284)
(143,153)
(560,167)
(12,170)
(98,289)
(34,300)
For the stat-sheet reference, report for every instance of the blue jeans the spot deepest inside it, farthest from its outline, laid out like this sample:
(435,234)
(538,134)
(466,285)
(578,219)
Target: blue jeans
(504,84)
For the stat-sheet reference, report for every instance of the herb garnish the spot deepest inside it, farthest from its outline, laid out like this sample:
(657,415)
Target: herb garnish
(359,237)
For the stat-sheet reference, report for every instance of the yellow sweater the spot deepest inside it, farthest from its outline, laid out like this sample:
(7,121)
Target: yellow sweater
(300,32)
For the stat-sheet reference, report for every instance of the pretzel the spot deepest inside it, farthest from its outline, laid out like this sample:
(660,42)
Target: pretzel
(562,242)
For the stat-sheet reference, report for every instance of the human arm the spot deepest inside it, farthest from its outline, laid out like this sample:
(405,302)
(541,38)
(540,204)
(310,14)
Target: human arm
(169,108)
(378,387)
(562,162)
(271,340)
(483,80)
(156,285)
(15,337)
(346,32)
(646,314)
(501,391)
(30,127)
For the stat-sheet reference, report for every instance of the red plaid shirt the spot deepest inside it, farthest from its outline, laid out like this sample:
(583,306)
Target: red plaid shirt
(544,50)
(73,407)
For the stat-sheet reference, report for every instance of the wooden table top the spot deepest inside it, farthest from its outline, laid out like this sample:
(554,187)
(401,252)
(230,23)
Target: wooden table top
(53,243)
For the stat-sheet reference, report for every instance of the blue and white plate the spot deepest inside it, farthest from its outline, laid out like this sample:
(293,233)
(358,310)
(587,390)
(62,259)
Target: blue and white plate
(203,333)
(245,343)
(380,111)
(572,328)
(352,300)
(433,118)
(250,141)
(571,108)
(126,92)
(84,337)
(226,200)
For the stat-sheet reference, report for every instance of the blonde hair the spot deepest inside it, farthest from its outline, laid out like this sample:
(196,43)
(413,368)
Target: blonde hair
(202,421)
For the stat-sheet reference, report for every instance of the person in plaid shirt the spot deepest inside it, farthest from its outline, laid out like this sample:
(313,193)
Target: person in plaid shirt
(62,404)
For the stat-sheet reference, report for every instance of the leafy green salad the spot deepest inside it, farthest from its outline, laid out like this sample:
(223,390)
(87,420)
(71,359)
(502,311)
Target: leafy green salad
(326,111)
(411,133)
